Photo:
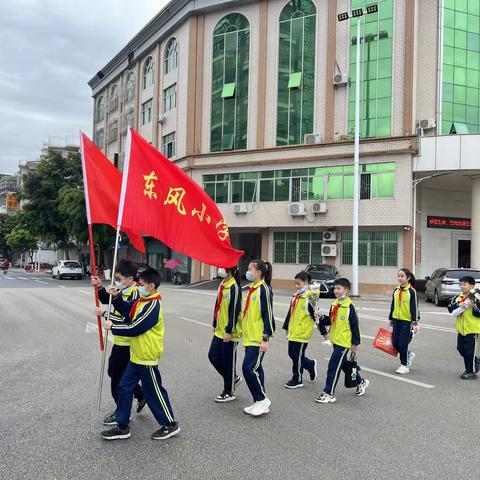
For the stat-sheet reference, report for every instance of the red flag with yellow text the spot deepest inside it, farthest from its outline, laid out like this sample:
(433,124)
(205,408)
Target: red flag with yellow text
(160,200)
(102,185)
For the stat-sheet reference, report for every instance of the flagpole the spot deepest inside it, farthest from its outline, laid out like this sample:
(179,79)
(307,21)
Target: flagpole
(90,239)
(104,353)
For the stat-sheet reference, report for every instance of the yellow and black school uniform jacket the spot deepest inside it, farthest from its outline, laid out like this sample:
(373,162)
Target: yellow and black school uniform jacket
(469,321)
(257,319)
(342,318)
(228,306)
(129,294)
(144,326)
(405,305)
(300,319)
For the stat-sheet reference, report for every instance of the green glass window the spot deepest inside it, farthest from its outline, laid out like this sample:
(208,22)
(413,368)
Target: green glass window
(375,249)
(296,72)
(376,70)
(461,67)
(230,74)
(297,247)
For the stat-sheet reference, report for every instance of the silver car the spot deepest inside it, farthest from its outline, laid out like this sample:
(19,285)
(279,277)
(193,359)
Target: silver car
(444,284)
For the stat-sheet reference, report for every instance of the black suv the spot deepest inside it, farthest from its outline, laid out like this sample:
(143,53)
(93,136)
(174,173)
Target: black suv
(325,275)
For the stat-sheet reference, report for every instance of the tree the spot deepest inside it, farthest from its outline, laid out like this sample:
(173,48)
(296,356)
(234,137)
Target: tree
(42,191)
(21,240)
(7,224)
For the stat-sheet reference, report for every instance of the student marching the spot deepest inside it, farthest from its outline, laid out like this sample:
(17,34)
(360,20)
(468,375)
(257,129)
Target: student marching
(467,313)
(125,276)
(258,327)
(299,324)
(143,324)
(226,332)
(404,317)
(344,333)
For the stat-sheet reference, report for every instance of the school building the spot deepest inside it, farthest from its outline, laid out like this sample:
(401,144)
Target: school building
(255,100)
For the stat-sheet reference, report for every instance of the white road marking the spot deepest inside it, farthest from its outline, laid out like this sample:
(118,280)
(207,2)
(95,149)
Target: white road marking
(397,377)
(40,281)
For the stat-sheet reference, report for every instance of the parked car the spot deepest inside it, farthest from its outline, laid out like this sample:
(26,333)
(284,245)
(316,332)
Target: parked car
(67,268)
(325,275)
(444,284)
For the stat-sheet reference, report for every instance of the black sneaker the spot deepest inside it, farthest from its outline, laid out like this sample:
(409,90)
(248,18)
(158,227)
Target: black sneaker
(109,420)
(141,405)
(166,432)
(468,376)
(116,433)
(225,397)
(293,383)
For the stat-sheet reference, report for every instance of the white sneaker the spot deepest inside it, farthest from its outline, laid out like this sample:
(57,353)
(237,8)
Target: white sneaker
(411,358)
(325,398)
(261,408)
(402,370)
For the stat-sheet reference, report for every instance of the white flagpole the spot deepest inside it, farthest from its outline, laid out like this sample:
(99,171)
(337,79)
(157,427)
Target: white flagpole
(115,255)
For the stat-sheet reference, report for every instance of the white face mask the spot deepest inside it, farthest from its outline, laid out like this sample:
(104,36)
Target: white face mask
(222,273)
(143,291)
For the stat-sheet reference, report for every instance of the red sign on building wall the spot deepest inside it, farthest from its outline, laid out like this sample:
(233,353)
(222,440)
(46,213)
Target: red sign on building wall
(455,223)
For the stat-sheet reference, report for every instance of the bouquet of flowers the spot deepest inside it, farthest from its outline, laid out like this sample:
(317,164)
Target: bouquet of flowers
(313,297)
(472,298)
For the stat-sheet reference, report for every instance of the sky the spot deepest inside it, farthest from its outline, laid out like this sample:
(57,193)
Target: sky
(49,50)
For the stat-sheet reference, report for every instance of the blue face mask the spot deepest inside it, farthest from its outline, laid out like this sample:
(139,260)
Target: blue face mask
(249,276)
(142,291)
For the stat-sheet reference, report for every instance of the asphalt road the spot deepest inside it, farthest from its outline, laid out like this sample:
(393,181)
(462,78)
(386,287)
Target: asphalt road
(424,425)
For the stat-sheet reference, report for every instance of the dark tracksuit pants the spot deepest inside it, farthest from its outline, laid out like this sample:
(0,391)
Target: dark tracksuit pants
(117,364)
(401,336)
(467,348)
(335,367)
(253,372)
(223,356)
(155,394)
(296,351)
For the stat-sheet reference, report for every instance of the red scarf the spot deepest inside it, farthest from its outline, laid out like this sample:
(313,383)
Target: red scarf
(333,313)
(219,301)
(142,300)
(247,302)
(294,304)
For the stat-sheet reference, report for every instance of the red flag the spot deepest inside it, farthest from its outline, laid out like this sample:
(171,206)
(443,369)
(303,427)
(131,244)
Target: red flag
(102,184)
(160,200)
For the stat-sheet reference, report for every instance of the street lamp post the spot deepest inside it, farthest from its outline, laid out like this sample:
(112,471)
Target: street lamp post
(357,13)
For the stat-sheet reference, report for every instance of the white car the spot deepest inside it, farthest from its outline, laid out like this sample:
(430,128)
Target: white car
(67,268)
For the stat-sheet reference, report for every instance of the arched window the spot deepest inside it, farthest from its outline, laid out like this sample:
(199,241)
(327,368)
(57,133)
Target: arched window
(296,72)
(147,76)
(230,74)
(113,98)
(171,55)
(100,110)
(129,87)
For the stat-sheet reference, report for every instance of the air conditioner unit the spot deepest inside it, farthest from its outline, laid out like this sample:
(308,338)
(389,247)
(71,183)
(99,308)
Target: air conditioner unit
(161,119)
(329,236)
(239,208)
(319,207)
(340,79)
(312,138)
(297,209)
(329,250)
(427,123)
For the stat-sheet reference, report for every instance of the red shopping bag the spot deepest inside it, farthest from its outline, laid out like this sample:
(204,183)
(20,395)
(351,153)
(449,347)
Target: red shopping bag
(383,341)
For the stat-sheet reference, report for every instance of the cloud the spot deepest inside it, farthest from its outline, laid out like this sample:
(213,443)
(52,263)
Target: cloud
(49,49)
